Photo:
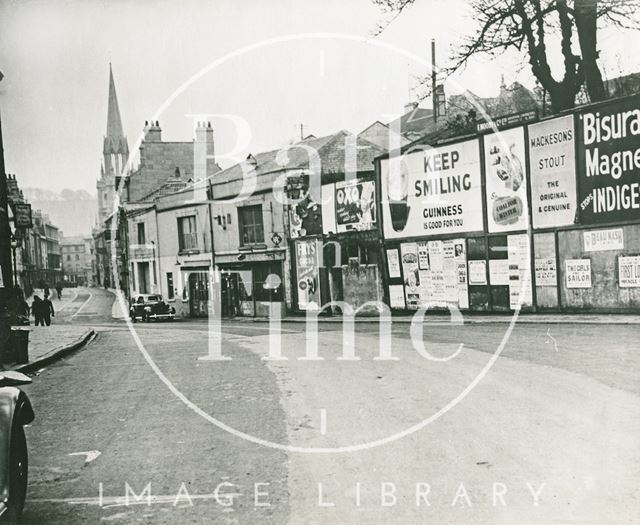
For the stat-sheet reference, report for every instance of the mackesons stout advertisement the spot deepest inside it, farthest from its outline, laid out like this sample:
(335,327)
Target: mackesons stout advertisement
(432,191)
(553,172)
(506,180)
(609,162)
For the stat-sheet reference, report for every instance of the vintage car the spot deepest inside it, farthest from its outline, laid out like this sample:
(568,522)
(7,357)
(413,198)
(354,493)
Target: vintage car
(15,413)
(147,307)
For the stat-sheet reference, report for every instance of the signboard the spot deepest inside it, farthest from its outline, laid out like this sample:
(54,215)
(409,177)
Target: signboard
(578,273)
(355,205)
(307,275)
(609,162)
(629,271)
(507,120)
(396,296)
(520,291)
(603,240)
(477,272)
(553,172)
(432,191)
(506,181)
(305,212)
(546,274)
(393,262)
(22,215)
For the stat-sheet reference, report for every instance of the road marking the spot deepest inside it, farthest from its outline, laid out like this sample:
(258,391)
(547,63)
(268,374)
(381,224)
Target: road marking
(323,421)
(90,455)
(82,305)
(67,303)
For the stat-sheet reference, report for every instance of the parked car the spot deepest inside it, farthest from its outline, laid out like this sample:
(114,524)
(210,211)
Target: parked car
(147,307)
(15,413)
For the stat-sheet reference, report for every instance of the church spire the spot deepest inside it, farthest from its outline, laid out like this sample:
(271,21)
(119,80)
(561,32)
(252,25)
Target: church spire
(114,142)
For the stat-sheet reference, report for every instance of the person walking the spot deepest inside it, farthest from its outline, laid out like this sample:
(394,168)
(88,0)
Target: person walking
(47,311)
(59,290)
(36,310)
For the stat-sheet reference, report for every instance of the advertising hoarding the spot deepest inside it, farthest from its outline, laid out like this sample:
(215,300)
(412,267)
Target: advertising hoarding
(432,191)
(506,182)
(355,204)
(307,274)
(609,162)
(553,172)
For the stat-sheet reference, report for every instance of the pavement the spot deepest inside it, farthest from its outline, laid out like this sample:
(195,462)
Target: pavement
(539,425)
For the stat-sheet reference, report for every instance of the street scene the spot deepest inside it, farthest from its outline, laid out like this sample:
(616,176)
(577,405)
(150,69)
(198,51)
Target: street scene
(369,262)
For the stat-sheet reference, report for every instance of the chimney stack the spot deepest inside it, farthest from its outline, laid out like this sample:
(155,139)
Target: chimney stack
(203,151)
(152,132)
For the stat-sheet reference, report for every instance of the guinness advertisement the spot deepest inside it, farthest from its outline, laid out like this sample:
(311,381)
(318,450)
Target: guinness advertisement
(609,162)
(432,191)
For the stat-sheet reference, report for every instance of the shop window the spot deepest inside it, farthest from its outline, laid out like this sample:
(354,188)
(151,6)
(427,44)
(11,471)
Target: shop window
(250,224)
(141,234)
(170,293)
(267,281)
(187,233)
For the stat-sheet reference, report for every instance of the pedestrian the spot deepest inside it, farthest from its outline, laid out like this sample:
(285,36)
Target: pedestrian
(46,291)
(19,308)
(36,310)
(59,290)
(47,311)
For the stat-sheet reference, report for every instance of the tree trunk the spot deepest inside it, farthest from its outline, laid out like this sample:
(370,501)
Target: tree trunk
(585,15)
(562,98)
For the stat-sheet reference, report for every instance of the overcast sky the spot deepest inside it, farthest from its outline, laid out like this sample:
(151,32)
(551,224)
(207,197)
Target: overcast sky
(55,57)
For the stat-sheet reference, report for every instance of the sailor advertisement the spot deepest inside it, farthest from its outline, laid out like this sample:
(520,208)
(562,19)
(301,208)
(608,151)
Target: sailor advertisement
(506,181)
(432,191)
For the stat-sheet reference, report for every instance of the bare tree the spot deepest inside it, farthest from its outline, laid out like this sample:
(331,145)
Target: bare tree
(526,26)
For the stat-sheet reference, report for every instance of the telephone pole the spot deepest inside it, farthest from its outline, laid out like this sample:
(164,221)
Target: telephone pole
(6,271)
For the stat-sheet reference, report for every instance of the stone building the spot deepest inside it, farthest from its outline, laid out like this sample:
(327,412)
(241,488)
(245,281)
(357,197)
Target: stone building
(77,260)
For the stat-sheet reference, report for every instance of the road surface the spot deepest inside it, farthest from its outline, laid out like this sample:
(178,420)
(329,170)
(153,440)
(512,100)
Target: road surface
(126,433)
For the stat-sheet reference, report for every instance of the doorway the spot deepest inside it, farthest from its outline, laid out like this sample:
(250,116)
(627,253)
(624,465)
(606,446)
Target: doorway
(199,294)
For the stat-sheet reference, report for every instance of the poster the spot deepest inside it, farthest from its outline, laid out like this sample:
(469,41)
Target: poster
(396,296)
(546,274)
(430,191)
(608,162)
(409,256)
(578,273)
(355,203)
(603,240)
(307,275)
(519,257)
(552,172)
(478,272)
(305,212)
(393,262)
(423,256)
(506,180)
(629,271)
(499,272)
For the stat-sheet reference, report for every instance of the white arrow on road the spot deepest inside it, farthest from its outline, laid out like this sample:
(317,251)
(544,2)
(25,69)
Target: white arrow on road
(91,455)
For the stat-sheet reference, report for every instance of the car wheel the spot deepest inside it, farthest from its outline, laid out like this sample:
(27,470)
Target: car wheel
(18,475)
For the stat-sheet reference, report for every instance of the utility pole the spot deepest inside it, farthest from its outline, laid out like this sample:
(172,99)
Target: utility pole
(434,97)
(6,273)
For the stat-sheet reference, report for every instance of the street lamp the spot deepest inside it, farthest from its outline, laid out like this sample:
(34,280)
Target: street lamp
(16,242)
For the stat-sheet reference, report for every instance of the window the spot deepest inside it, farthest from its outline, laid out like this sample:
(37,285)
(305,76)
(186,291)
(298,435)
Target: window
(68,257)
(170,294)
(250,222)
(141,236)
(187,234)
(77,257)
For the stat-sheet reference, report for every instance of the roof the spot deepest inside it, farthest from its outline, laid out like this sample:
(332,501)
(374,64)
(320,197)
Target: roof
(330,149)
(170,187)
(417,122)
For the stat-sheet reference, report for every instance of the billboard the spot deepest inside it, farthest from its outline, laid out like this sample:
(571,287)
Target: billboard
(432,191)
(553,172)
(505,174)
(609,162)
(355,203)
(307,274)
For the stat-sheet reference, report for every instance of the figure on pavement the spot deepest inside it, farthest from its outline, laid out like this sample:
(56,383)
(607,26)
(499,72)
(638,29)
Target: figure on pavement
(47,310)
(36,309)
(59,290)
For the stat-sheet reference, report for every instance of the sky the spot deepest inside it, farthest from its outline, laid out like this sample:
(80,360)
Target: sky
(55,56)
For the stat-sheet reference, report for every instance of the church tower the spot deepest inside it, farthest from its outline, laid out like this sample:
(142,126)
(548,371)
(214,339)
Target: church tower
(115,153)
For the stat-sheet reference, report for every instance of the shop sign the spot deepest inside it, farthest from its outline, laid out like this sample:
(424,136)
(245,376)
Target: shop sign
(477,272)
(609,162)
(432,191)
(603,240)
(506,180)
(578,273)
(22,215)
(307,274)
(393,262)
(355,203)
(553,172)
(629,271)
(546,274)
